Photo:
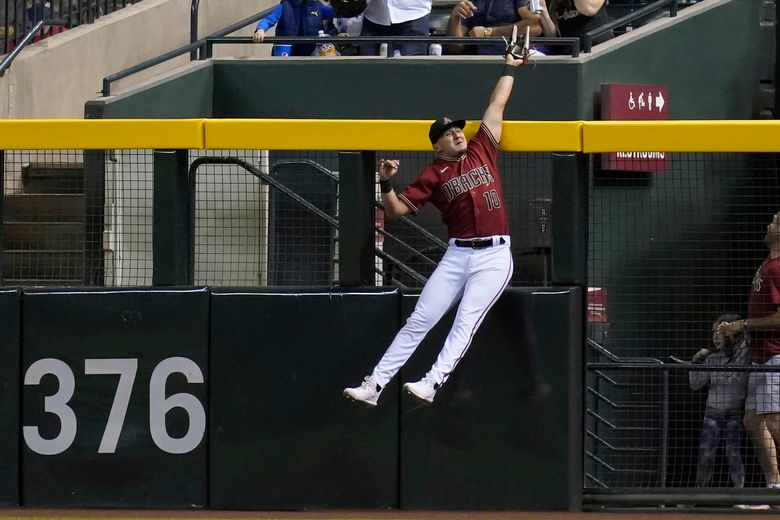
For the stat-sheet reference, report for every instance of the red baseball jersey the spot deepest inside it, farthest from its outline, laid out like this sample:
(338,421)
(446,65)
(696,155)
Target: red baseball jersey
(467,190)
(765,300)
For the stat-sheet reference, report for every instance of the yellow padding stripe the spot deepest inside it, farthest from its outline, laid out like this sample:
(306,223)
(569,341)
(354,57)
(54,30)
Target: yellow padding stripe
(310,134)
(65,134)
(542,136)
(345,134)
(396,135)
(681,136)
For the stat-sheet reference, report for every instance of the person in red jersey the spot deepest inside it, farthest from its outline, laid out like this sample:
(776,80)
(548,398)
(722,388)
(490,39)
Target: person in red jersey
(763,328)
(465,185)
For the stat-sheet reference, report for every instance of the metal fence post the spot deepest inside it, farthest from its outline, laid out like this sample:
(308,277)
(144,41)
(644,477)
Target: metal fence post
(356,218)
(2,211)
(570,219)
(664,461)
(94,202)
(171,236)
(194,7)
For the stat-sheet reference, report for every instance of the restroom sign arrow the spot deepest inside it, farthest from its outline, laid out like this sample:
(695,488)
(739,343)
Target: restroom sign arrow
(634,102)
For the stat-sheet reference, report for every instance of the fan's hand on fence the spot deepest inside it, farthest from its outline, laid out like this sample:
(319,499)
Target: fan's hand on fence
(701,355)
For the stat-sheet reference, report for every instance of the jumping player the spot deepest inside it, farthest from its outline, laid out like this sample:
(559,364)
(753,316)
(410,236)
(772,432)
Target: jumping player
(464,184)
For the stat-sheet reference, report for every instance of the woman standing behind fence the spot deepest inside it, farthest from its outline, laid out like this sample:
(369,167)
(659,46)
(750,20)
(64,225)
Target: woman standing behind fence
(725,401)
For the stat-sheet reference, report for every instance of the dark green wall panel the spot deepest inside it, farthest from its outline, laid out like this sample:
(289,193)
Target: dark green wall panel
(10,306)
(682,54)
(282,436)
(394,89)
(164,333)
(183,95)
(505,431)
(709,62)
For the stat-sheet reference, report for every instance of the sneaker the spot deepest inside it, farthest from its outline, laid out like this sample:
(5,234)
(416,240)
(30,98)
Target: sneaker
(368,392)
(752,507)
(424,389)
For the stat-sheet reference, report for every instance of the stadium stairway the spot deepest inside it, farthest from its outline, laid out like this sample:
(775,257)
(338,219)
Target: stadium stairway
(43,227)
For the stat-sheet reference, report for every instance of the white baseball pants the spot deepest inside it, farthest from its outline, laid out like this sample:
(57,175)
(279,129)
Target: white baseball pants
(475,276)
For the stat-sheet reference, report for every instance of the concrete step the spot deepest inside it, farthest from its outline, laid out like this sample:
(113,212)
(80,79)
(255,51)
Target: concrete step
(43,208)
(43,265)
(53,178)
(43,235)
(54,282)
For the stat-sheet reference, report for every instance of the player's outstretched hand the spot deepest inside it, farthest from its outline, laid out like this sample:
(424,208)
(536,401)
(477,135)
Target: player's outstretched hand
(516,61)
(388,168)
(516,54)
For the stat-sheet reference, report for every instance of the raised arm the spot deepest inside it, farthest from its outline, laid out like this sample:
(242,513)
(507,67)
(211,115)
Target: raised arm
(769,322)
(493,118)
(548,25)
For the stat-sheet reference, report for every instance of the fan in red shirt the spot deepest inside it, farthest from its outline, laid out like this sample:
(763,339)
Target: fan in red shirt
(465,185)
(763,328)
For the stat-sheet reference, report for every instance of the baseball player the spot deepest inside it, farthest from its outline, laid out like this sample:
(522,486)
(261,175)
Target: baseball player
(464,183)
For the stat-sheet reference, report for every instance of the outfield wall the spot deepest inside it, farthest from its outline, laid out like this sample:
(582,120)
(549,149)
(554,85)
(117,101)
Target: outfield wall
(230,399)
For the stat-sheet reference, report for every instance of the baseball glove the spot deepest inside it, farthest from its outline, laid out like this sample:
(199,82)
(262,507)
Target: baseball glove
(518,51)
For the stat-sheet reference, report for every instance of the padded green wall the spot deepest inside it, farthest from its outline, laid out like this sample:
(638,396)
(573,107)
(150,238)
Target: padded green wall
(505,430)
(282,435)
(148,327)
(10,315)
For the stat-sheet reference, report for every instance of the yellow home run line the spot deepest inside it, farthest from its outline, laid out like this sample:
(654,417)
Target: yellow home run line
(393,135)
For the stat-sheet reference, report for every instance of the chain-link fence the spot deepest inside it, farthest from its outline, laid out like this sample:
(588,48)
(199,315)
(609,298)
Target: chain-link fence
(671,251)
(247,230)
(674,241)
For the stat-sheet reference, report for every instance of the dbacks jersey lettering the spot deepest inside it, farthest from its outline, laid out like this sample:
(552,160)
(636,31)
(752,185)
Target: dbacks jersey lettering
(765,300)
(466,190)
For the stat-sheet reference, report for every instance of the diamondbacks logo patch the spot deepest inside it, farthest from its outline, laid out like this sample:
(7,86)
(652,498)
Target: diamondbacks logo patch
(757,281)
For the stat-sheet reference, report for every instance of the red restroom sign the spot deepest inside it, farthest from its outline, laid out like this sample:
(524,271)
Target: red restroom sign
(635,102)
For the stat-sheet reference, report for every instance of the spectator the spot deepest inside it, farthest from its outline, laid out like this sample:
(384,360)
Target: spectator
(396,18)
(574,18)
(725,401)
(763,327)
(485,18)
(296,18)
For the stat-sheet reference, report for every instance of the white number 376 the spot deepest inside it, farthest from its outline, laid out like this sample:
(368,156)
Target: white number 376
(159,404)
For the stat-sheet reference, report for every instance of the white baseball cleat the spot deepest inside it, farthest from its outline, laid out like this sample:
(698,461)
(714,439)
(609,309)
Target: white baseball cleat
(424,389)
(367,393)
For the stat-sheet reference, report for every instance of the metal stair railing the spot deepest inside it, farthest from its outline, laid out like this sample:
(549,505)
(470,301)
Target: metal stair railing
(595,395)
(6,63)
(655,7)
(194,46)
(275,184)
